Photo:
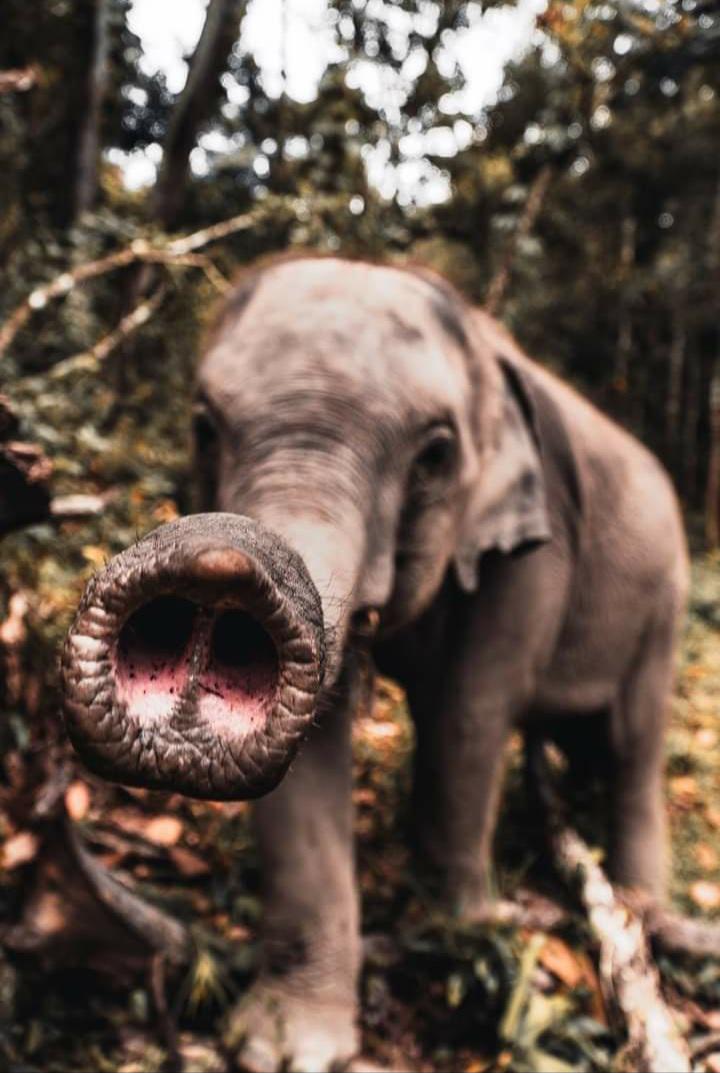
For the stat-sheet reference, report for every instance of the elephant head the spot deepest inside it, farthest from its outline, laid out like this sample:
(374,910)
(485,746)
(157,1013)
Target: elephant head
(373,426)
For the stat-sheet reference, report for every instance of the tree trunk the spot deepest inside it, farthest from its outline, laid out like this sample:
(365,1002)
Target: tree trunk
(712,487)
(499,282)
(86,185)
(691,417)
(194,105)
(673,399)
(628,241)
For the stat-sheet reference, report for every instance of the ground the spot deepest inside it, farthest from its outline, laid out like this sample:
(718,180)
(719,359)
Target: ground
(435,997)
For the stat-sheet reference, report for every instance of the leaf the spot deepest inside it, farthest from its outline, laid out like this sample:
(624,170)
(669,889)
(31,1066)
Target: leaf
(19,849)
(706,856)
(455,990)
(163,830)
(550,1063)
(95,554)
(684,790)
(557,957)
(188,864)
(166,511)
(519,997)
(705,894)
(706,738)
(77,800)
(160,830)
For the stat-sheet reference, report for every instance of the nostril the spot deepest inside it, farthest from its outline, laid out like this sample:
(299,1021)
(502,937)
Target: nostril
(152,655)
(240,680)
(240,641)
(159,630)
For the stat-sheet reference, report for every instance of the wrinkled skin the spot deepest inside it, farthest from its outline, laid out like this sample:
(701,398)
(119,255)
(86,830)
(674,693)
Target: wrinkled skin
(195,660)
(518,558)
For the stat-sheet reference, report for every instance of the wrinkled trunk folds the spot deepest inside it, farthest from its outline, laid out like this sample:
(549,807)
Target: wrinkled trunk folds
(195,660)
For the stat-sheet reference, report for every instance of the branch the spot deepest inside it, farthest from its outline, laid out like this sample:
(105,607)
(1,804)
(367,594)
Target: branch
(171,253)
(130,323)
(194,104)
(536,196)
(151,925)
(89,151)
(628,972)
(68,508)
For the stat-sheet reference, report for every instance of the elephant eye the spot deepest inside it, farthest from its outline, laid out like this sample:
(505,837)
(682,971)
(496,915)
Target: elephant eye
(437,457)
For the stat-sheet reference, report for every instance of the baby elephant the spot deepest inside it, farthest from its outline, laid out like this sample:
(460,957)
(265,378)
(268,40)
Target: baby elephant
(512,558)
(525,557)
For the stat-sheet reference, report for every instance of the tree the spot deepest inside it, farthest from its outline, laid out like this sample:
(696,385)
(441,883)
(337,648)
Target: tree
(194,105)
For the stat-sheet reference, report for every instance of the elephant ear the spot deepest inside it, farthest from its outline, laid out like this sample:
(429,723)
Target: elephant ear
(507,508)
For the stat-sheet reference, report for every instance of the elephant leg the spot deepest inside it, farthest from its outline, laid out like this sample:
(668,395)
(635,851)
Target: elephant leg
(638,827)
(301,1012)
(458,774)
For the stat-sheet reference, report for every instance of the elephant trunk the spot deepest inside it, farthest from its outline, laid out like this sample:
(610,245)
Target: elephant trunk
(195,660)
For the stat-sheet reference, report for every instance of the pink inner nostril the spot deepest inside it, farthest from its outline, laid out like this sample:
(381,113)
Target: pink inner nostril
(233,656)
(241,672)
(153,652)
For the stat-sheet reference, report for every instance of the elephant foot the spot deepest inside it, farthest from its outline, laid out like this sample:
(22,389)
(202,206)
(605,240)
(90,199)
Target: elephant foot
(273,1028)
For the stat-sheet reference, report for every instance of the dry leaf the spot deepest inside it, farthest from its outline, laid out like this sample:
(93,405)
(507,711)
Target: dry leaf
(706,856)
(706,738)
(12,630)
(160,830)
(166,511)
(19,849)
(364,795)
(95,554)
(574,967)
(712,815)
(163,830)
(557,957)
(684,790)
(77,800)
(188,864)
(705,894)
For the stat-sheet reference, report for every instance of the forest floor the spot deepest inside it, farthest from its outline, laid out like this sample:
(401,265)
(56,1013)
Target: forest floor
(435,996)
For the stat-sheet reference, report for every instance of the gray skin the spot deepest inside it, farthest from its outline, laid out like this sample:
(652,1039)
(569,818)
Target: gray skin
(527,560)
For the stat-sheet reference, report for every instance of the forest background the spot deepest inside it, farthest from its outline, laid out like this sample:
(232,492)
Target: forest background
(580,203)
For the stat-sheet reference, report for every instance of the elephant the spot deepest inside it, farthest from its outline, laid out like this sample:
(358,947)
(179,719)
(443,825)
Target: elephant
(422,492)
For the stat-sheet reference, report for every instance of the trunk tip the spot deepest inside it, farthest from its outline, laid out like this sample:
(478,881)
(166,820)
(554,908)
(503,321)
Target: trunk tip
(220,564)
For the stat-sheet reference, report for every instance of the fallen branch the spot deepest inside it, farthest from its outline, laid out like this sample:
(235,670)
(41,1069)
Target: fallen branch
(678,934)
(67,508)
(670,932)
(77,912)
(161,933)
(141,251)
(19,79)
(626,967)
(628,973)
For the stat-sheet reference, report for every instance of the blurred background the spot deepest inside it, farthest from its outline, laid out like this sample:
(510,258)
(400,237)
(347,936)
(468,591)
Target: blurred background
(560,163)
